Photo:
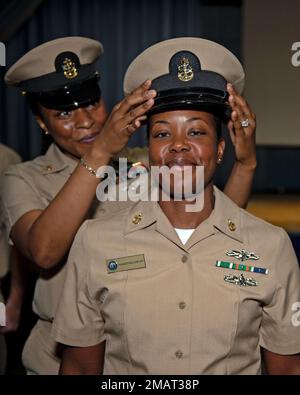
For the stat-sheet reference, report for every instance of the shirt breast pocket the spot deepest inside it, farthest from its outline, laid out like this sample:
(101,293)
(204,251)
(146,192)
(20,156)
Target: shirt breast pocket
(216,307)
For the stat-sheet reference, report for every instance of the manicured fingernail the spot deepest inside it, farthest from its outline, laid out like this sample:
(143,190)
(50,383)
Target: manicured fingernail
(143,118)
(151,93)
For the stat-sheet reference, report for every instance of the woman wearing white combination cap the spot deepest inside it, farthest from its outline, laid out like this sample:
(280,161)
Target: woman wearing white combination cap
(142,298)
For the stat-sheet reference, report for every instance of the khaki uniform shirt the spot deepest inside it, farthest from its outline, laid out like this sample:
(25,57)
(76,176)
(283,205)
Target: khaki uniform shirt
(7,157)
(32,186)
(177,315)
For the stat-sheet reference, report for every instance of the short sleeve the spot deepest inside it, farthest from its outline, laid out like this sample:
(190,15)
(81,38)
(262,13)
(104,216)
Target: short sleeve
(78,320)
(7,158)
(280,328)
(4,247)
(18,197)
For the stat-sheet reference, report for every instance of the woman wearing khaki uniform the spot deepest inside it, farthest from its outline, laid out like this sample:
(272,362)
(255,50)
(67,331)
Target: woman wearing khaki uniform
(47,199)
(8,157)
(160,289)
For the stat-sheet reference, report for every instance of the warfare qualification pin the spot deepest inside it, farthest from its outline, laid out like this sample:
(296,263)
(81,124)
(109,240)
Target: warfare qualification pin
(242,255)
(241,280)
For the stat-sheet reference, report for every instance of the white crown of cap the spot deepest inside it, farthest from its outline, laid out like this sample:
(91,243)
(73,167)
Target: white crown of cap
(154,61)
(40,60)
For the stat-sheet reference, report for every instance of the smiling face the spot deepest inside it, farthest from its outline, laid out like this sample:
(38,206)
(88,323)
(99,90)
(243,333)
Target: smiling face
(185,138)
(74,130)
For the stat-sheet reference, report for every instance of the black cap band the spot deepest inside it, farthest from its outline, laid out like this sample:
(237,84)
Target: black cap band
(69,97)
(201,98)
(47,82)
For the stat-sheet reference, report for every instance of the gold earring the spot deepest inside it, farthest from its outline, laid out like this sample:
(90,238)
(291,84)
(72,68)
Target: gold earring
(219,160)
(45,131)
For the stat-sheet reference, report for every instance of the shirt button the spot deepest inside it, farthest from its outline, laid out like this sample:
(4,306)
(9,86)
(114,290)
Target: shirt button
(182,305)
(178,354)
(184,258)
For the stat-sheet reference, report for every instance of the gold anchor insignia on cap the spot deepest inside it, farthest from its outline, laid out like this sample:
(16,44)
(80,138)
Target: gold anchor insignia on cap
(69,68)
(185,71)
(231,225)
(137,218)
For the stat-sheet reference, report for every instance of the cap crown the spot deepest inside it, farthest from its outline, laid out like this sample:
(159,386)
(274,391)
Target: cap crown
(156,60)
